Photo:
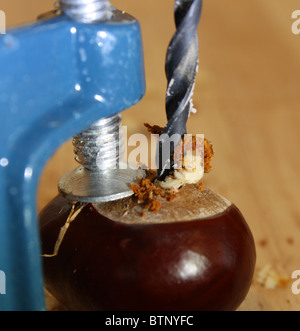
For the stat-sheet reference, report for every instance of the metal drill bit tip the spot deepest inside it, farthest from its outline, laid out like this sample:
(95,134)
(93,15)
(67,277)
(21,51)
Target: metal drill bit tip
(181,67)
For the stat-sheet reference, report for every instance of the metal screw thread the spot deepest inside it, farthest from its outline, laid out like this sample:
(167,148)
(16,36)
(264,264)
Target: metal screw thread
(101,146)
(87,11)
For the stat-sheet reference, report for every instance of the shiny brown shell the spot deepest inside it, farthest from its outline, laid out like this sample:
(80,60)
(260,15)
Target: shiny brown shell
(102,264)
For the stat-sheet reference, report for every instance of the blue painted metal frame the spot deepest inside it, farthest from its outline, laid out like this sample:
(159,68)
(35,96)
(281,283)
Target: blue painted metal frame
(56,78)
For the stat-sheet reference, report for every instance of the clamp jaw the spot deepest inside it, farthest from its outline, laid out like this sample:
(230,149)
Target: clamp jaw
(58,77)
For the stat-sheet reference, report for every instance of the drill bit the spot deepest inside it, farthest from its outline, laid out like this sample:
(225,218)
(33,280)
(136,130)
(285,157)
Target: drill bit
(181,68)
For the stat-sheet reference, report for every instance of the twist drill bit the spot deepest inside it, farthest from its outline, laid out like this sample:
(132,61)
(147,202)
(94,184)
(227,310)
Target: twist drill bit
(181,68)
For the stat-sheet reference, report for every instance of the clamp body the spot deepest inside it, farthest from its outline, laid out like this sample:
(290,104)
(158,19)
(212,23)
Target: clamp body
(57,78)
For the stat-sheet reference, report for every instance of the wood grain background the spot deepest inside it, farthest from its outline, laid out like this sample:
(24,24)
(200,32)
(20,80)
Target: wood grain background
(247,96)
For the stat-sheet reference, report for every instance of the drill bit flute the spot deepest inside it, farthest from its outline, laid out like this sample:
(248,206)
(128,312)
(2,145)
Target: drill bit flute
(181,67)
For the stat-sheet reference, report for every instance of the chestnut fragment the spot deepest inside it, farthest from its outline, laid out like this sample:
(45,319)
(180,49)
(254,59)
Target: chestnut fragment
(170,260)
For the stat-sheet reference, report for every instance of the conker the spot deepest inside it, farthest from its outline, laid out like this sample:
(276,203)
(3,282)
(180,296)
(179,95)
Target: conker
(195,253)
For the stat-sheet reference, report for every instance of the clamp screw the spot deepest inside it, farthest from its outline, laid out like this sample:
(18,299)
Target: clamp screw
(87,11)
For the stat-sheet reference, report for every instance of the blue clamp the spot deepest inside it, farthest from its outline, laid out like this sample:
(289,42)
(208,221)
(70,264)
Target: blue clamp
(57,77)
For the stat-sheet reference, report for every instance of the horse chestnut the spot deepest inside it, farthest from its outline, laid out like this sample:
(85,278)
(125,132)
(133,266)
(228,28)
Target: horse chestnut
(195,253)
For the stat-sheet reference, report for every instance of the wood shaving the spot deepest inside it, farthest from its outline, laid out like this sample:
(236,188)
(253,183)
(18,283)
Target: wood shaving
(75,211)
(147,193)
(270,279)
(154,129)
(201,187)
(208,155)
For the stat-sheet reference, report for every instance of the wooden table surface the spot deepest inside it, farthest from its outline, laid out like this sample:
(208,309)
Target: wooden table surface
(247,97)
